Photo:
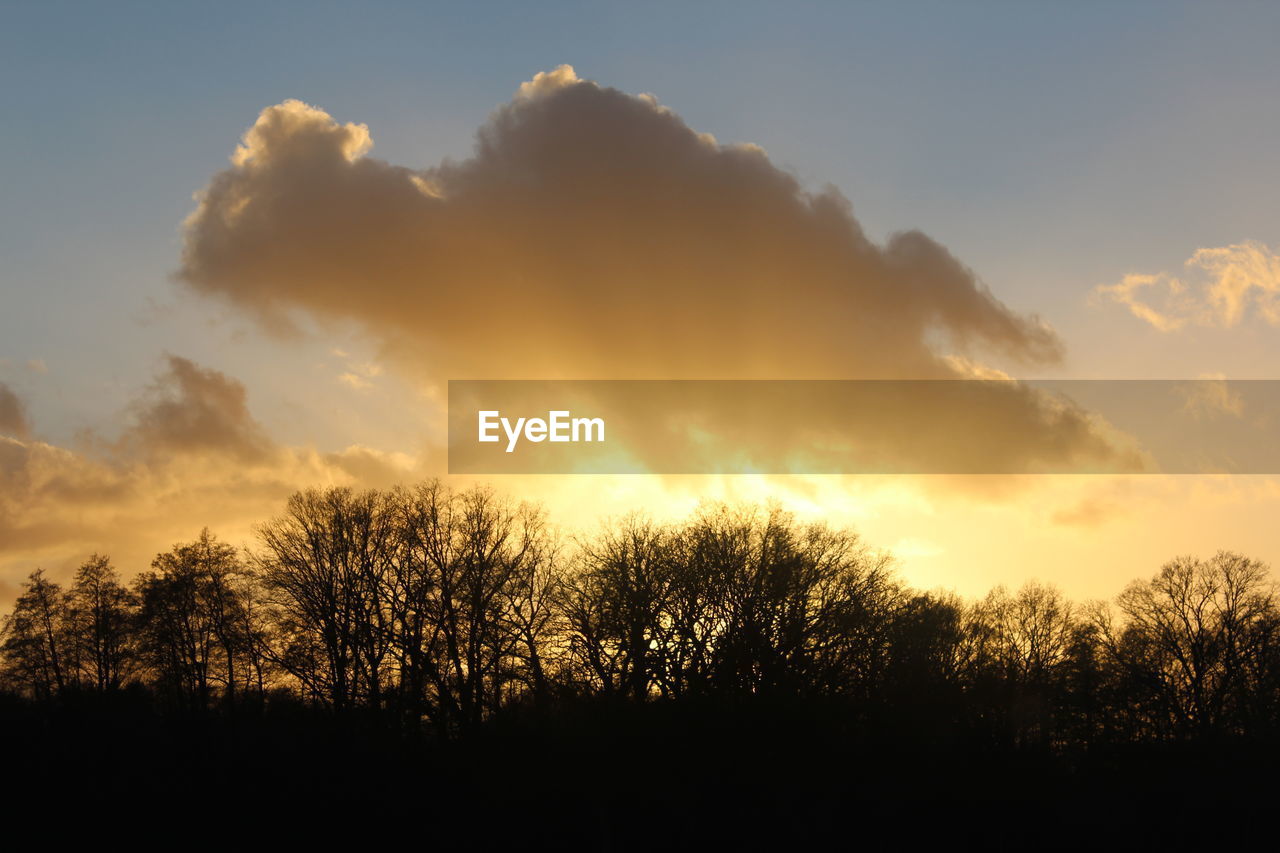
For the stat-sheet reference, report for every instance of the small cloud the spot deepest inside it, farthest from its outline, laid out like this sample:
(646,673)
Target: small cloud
(191,409)
(1090,512)
(192,455)
(968,369)
(37,365)
(355,381)
(1127,291)
(1209,397)
(357,376)
(1225,285)
(13,414)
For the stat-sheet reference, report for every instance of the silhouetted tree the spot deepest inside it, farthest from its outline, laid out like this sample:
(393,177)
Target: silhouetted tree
(791,608)
(618,612)
(99,619)
(430,608)
(1196,642)
(1027,638)
(488,557)
(196,622)
(733,601)
(931,644)
(35,638)
(324,565)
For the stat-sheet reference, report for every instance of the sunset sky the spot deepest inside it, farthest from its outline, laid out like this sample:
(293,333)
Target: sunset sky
(244,249)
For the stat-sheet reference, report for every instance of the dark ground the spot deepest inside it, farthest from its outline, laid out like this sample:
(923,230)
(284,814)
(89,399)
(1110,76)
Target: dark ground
(597,777)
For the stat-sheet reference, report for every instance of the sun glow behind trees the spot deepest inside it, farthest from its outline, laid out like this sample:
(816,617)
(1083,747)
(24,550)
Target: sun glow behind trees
(441,609)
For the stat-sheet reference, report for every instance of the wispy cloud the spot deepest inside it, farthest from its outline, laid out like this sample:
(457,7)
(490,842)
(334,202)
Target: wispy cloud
(1223,287)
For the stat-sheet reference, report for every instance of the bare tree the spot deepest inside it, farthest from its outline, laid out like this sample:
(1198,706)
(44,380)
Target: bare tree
(617,609)
(1030,631)
(194,616)
(1191,637)
(100,617)
(324,565)
(487,555)
(34,639)
(735,600)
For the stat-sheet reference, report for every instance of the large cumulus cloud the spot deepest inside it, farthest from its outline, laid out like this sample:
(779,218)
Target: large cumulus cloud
(591,234)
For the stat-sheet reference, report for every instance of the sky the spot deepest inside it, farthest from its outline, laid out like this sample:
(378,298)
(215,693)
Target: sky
(1106,168)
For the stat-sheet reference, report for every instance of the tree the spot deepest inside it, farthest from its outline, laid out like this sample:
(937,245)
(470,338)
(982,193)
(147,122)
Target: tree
(788,607)
(195,617)
(487,583)
(930,643)
(99,616)
(324,567)
(1026,640)
(617,609)
(1030,631)
(736,600)
(1197,642)
(35,639)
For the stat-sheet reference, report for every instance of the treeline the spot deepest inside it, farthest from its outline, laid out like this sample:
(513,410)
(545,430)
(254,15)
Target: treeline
(438,611)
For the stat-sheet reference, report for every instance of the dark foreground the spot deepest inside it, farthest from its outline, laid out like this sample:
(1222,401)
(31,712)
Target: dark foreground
(598,777)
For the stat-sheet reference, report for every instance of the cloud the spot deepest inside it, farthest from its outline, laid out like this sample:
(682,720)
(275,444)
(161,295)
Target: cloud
(357,376)
(13,414)
(191,455)
(1090,512)
(193,409)
(355,381)
(966,368)
(1211,397)
(1106,500)
(592,234)
(1226,285)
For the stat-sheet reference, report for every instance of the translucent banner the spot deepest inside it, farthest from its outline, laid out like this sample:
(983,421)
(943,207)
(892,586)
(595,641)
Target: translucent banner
(864,427)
